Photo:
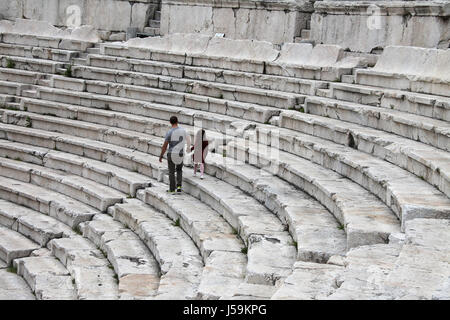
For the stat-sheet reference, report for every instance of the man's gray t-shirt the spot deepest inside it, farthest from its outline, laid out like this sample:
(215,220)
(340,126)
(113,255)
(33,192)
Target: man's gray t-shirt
(176,137)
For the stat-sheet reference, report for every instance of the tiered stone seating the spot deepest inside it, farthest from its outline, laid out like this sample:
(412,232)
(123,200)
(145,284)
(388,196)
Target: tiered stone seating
(347,176)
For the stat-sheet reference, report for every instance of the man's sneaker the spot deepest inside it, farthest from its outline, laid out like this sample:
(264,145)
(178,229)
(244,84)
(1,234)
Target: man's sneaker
(201,177)
(170,192)
(178,189)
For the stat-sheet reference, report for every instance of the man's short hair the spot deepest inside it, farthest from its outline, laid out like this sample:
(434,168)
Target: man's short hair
(173,120)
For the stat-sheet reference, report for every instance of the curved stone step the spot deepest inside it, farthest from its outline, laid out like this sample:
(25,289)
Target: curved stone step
(37,52)
(425,161)
(120,179)
(56,205)
(309,281)
(13,287)
(316,231)
(230,92)
(122,120)
(248,79)
(433,106)
(270,249)
(122,157)
(433,132)
(218,243)
(31,64)
(84,190)
(13,245)
(93,275)
(32,224)
(47,277)
(365,218)
(136,268)
(178,257)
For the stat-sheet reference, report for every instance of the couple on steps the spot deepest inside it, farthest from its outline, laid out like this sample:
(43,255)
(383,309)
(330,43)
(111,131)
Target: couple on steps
(176,139)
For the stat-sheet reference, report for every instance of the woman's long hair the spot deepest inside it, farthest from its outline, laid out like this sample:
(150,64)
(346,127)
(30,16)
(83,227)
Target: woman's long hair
(200,136)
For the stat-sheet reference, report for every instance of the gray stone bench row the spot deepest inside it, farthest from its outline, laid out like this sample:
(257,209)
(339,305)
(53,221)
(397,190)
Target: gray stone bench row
(122,157)
(37,227)
(271,98)
(155,150)
(426,162)
(270,249)
(432,106)
(179,259)
(428,73)
(239,78)
(13,286)
(120,179)
(315,230)
(219,246)
(93,276)
(53,204)
(28,51)
(321,62)
(137,270)
(429,131)
(13,245)
(362,215)
(96,146)
(81,189)
(45,41)
(31,64)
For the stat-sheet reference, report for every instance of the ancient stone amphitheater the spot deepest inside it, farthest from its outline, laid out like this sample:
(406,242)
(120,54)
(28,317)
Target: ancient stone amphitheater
(329,176)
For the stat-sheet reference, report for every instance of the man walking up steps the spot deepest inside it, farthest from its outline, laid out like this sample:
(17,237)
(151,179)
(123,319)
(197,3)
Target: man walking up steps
(176,139)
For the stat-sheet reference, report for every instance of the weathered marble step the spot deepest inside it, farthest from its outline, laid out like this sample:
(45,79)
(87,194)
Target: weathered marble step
(13,245)
(37,52)
(170,94)
(136,65)
(109,118)
(217,122)
(217,242)
(47,277)
(422,270)
(120,179)
(10,88)
(433,106)
(309,281)
(46,42)
(21,76)
(366,269)
(179,259)
(93,275)
(363,216)
(79,188)
(136,268)
(32,224)
(264,97)
(250,291)
(67,210)
(430,131)
(429,163)
(115,155)
(31,64)
(270,249)
(261,81)
(316,231)
(13,286)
